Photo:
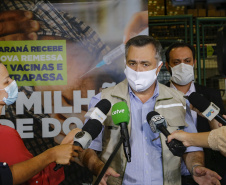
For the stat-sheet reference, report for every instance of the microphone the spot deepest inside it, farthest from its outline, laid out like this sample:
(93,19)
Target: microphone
(99,111)
(92,128)
(158,124)
(121,116)
(208,109)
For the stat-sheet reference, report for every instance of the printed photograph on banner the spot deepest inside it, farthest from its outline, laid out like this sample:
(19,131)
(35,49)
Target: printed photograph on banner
(61,53)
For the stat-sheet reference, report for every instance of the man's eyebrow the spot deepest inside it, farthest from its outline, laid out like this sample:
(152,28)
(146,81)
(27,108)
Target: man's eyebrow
(132,61)
(182,58)
(142,61)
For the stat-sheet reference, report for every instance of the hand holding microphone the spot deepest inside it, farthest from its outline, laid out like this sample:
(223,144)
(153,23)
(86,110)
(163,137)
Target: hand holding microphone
(121,116)
(158,124)
(208,109)
(92,128)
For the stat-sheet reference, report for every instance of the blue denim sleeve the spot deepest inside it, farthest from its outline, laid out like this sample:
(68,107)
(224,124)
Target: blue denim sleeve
(191,128)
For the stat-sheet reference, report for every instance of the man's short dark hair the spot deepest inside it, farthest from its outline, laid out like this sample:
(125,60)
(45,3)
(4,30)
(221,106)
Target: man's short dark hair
(143,40)
(179,45)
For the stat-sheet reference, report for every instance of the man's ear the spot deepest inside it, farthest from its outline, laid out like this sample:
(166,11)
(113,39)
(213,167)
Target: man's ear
(167,66)
(195,62)
(159,68)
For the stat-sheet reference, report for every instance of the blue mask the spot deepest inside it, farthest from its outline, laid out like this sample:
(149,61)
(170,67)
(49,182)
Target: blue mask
(12,91)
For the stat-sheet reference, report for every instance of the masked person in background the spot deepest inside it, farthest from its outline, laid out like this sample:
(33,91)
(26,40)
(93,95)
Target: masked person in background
(23,166)
(152,162)
(180,62)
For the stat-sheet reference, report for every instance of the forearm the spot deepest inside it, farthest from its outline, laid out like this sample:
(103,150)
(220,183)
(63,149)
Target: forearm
(90,160)
(198,139)
(193,158)
(23,171)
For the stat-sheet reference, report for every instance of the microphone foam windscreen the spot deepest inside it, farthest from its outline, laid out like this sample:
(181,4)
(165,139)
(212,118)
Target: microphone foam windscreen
(120,113)
(93,127)
(198,101)
(151,114)
(104,105)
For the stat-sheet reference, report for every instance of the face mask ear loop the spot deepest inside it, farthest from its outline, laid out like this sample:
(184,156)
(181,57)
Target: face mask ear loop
(160,62)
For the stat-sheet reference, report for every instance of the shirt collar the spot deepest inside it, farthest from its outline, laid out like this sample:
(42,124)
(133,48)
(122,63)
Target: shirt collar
(191,89)
(156,92)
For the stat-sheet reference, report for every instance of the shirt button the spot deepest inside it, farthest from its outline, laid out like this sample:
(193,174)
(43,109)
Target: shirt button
(145,137)
(146,153)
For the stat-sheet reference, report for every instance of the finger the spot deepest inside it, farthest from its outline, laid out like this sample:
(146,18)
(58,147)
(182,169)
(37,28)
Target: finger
(215,181)
(12,27)
(74,154)
(170,137)
(102,182)
(113,173)
(215,175)
(77,148)
(16,15)
(20,36)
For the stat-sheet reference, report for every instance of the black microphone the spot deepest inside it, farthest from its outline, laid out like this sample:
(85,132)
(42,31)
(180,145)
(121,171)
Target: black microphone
(100,110)
(208,109)
(158,124)
(92,128)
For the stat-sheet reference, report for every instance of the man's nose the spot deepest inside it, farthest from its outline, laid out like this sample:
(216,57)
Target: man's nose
(139,68)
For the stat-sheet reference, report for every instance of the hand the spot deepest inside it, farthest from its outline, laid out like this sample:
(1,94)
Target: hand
(181,136)
(65,153)
(18,25)
(196,110)
(69,139)
(205,176)
(109,172)
(137,23)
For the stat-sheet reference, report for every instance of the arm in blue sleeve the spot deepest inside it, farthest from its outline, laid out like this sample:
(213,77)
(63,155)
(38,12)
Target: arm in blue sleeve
(191,128)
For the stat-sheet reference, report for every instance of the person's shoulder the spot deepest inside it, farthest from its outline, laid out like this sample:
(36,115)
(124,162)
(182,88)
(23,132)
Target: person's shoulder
(4,129)
(121,84)
(205,89)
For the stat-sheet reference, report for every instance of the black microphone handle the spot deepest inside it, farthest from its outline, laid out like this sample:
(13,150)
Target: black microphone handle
(58,166)
(220,119)
(126,144)
(163,129)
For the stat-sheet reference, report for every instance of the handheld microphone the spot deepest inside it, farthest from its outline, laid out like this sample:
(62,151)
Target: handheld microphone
(92,128)
(121,116)
(208,109)
(99,111)
(158,124)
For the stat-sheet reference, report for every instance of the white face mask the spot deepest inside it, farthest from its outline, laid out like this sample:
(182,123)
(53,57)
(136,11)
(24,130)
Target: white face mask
(12,91)
(182,74)
(141,81)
